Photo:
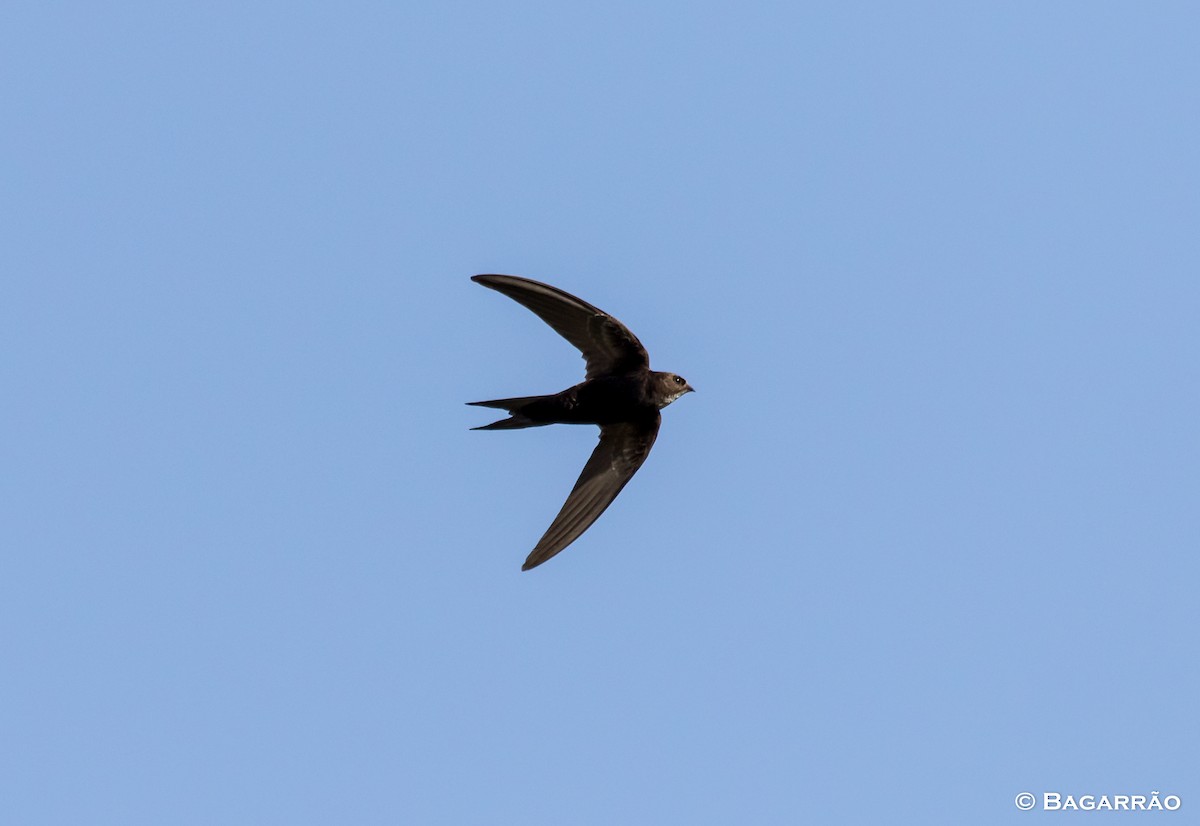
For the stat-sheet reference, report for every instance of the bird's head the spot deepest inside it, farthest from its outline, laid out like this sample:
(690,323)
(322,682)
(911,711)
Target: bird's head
(671,387)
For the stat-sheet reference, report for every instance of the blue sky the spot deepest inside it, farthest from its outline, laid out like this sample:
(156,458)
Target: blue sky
(924,538)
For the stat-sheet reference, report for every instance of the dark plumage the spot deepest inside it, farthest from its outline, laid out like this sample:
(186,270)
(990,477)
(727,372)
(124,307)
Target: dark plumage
(620,393)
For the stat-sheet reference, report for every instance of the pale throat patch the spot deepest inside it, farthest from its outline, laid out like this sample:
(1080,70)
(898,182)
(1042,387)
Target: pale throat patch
(672,398)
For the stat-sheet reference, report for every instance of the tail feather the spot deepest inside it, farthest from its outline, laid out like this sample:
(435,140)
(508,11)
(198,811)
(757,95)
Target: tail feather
(514,406)
(511,405)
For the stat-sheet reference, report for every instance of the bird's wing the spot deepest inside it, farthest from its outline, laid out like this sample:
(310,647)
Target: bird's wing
(606,344)
(621,451)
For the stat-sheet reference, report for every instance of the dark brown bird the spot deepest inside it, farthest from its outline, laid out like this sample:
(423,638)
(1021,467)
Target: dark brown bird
(620,393)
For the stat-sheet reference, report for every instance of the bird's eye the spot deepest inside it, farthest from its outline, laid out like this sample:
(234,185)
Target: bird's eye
(679,380)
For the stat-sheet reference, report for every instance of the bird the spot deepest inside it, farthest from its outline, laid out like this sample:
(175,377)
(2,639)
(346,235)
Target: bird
(619,393)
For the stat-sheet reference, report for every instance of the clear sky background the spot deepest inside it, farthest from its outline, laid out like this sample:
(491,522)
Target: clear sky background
(925,537)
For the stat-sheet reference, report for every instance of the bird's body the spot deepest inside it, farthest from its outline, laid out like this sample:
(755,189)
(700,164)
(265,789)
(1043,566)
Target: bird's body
(602,400)
(621,394)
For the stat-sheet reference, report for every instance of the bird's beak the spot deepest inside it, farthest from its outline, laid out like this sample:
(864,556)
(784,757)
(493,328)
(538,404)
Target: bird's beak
(687,388)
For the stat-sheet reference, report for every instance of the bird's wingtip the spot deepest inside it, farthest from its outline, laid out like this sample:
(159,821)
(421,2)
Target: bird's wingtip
(485,277)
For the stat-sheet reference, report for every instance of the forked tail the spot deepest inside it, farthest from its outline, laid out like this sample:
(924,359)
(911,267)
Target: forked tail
(513,406)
